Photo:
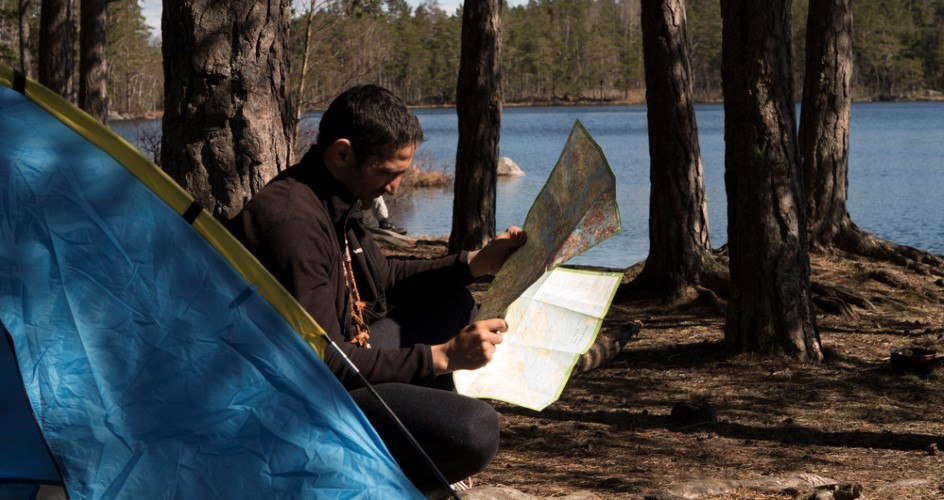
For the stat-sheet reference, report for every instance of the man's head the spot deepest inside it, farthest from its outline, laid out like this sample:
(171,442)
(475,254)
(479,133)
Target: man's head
(368,137)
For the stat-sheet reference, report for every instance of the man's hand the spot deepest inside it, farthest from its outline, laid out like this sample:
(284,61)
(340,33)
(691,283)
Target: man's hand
(471,348)
(490,259)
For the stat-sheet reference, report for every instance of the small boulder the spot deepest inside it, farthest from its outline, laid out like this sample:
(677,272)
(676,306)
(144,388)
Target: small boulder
(507,166)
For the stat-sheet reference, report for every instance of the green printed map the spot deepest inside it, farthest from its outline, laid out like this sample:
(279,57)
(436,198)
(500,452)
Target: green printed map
(554,314)
(551,324)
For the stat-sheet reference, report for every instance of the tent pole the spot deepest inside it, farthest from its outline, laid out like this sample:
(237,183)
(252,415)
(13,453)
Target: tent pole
(406,432)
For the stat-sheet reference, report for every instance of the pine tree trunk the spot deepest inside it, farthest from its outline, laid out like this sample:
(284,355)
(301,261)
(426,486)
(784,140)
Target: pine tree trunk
(228,121)
(678,212)
(479,106)
(56,45)
(824,144)
(824,123)
(769,307)
(26,58)
(93,70)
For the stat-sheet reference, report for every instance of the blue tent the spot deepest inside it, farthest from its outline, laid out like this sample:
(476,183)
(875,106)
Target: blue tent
(146,354)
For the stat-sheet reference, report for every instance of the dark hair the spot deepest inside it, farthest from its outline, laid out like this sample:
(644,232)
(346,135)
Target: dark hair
(372,118)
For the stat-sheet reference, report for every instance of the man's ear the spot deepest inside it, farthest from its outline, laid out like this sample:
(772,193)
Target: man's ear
(340,154)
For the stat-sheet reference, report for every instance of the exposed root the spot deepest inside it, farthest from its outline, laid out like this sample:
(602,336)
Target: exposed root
(607,345)
(852,240)
(839,301)
(708,297)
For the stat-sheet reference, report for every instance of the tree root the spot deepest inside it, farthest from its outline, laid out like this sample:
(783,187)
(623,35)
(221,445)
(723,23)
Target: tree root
(708,297)
(606,346)
(839,301)
(852,240)
(848,240)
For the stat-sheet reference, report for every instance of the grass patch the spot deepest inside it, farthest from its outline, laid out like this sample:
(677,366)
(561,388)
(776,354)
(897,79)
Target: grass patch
(426,173)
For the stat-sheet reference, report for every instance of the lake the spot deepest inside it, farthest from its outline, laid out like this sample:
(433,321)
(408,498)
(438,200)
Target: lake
(896,170)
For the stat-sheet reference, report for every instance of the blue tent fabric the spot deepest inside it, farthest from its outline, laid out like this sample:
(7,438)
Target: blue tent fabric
(152,368)
(19,436)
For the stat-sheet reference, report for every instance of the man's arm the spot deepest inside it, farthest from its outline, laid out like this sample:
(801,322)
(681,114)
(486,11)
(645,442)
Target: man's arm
(297,249)
(311,271)
(409,277)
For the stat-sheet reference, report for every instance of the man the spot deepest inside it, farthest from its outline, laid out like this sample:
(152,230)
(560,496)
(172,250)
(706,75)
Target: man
(405,324)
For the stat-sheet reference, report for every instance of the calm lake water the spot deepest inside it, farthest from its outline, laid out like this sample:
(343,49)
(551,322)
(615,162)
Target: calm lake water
(896,170)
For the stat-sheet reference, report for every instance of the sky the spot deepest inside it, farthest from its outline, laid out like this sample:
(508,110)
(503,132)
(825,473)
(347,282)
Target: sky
(152,10)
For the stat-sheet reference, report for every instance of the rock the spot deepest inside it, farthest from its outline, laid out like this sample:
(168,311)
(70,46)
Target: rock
(507,166)
(805,486)
(504,493)
(908,488)
(699,489)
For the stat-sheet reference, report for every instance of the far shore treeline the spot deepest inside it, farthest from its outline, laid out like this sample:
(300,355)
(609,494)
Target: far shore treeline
(553,51)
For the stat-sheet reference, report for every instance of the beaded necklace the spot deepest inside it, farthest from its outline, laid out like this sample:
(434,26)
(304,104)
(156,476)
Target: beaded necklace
(356,304)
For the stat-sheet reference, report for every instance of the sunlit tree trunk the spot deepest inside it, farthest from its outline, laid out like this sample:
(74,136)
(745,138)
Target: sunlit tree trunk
(770,310)
(228,119)
(678,210)
(93,68)
(479,106)
(56,46)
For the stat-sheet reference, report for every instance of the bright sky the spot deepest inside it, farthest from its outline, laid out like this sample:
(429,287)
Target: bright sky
(152,15)
(152,10)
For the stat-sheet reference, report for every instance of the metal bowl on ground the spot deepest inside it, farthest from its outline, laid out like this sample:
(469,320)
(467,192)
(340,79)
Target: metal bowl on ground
(914,360)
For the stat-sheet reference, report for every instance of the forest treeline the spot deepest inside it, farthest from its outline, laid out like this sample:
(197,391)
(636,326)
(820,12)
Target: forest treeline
(553,51)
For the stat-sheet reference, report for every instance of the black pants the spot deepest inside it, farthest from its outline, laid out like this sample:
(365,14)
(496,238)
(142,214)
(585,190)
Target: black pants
(459,433)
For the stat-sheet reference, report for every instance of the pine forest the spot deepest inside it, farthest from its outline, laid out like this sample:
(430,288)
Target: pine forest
(553,51)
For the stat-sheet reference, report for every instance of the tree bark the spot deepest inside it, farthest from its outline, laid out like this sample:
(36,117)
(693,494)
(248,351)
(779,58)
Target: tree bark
(228,119)
(770,309)
(679,244)
(26,58)
(56,46)
(824,121)
(824,143)
(479,106)
(93,68)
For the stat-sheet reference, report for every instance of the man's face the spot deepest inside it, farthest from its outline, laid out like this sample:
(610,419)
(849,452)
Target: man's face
(381,174)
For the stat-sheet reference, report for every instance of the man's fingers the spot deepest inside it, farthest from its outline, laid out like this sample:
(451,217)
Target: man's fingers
(497,338)
(498,327)
(515,234)
(491,325)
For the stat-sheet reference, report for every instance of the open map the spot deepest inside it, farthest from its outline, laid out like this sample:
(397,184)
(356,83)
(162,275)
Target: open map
(554,314)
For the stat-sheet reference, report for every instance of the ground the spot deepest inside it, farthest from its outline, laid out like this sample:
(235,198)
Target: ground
(753,423)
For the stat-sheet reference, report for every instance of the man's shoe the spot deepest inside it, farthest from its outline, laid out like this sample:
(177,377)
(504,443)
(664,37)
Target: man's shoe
(389,226)
(463,485)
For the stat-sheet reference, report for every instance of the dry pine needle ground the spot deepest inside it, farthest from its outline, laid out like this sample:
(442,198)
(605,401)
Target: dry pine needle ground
(850,419)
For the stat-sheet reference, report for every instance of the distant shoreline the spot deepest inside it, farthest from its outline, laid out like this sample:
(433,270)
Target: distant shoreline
(922,96)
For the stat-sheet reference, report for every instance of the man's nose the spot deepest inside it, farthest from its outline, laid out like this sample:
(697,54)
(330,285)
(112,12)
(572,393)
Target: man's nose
(392,186)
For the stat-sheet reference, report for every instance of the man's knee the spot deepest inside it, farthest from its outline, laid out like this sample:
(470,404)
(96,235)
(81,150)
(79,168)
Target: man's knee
(476,438)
